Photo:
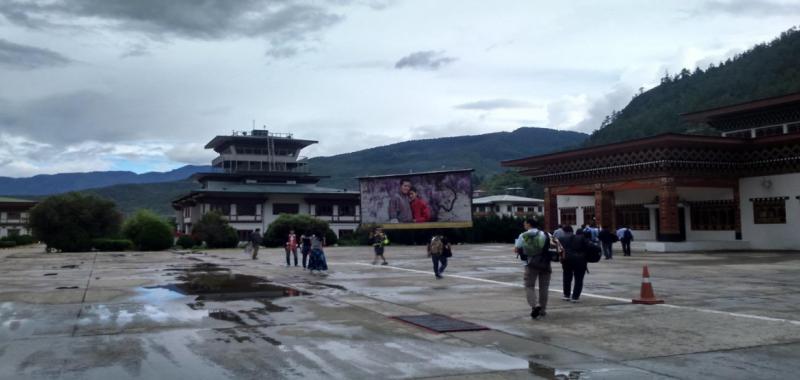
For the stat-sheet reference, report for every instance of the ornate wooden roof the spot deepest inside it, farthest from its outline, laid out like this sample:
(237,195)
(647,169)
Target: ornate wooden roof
(753,114)
(668,155)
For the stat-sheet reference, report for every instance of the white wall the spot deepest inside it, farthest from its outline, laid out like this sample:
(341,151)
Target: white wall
(699,194)
(576,201)
(635,197)
(771,236)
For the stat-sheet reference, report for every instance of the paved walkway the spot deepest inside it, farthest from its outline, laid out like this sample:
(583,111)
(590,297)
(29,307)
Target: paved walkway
(209,316)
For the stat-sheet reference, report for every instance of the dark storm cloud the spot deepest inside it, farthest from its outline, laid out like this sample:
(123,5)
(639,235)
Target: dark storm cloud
(73,117)
(749,8)
(282,23)
(424,60)
(22,57)
(492,104)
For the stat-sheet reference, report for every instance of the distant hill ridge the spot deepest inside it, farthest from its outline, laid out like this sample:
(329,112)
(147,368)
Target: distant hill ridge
(60,183)
(155,190)
(480,152)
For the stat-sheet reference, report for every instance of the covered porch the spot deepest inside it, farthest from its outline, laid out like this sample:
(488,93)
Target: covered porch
(675,192)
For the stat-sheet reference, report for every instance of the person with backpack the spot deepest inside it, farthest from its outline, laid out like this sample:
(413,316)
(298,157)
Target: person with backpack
(577,252)
(379,240)
(533,247)
(255,242)
(439,250)
(607,238)
(625,237)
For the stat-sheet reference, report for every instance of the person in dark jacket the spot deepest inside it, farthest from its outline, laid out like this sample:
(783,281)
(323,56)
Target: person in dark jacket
(607,238)
(574,262)
(625,237)
(305,247)
(255,242)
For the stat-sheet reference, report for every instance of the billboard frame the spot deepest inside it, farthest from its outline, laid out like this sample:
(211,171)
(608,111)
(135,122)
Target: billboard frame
(427,225)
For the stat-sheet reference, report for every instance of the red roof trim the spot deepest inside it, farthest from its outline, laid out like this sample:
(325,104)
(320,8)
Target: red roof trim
(705,116)
(663,140)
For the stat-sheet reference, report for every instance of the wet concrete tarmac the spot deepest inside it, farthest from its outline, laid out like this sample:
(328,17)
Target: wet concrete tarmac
(218,314)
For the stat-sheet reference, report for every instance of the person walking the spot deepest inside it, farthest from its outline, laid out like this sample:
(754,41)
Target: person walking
(379,240)
(291,247)
(574,262)
(607,238)
(534,244)
(439,250)
(255,242)
(625,237)
(317,261)
(592,233)
(559,232)
(305,247)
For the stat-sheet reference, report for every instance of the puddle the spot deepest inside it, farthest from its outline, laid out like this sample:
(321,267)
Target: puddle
(207,283)
(196,305)
(117,255)
(333,286)
(73,266)
(51,274)
(225,315)
(551,373)
(67,287)
(204,267)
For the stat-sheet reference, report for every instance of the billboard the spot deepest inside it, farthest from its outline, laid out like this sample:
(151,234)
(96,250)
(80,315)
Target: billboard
(440,199)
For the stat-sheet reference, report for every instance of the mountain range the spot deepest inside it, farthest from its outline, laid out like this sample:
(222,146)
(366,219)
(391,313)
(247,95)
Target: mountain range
(155,190)
(46,184)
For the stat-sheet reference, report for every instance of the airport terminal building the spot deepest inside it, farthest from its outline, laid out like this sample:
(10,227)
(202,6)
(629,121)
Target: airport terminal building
(258,176)
(740,190)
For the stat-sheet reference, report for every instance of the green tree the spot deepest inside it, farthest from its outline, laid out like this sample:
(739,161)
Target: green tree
(279,229)
(148,231)
(69,222)
(214,230)
(498,184)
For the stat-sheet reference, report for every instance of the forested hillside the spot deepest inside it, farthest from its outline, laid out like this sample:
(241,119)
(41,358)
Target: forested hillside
(768,69)
(480,152)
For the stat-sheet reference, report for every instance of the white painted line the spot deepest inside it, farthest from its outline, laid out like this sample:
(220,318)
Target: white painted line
(599,296)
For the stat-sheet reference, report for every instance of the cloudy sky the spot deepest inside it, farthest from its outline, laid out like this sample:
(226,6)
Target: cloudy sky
(142,85)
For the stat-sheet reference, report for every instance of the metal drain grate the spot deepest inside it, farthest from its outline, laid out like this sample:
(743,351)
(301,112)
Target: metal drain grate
(440,323)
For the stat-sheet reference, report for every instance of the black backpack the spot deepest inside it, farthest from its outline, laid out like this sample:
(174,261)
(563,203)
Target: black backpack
(582,248)
(592,252)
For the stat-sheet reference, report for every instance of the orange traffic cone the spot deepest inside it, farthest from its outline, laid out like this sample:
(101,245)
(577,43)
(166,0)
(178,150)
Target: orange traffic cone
(647,296)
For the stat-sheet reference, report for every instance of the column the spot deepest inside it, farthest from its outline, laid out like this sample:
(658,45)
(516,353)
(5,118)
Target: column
(737,226)
(550,209)
(668,223)
(603,207)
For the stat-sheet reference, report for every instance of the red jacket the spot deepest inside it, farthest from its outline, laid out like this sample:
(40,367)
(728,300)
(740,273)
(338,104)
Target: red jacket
(420,211)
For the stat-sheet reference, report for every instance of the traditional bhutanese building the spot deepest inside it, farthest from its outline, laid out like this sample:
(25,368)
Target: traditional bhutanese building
(740,190)
(507,205)
(258,176)
(14,216)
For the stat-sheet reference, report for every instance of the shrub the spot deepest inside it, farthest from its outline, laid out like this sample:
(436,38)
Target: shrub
(69,222)
(330,237)
(23,239)
(112,245)
(276,234)
(215,231)
(148,231)
(186,242)
(7,244)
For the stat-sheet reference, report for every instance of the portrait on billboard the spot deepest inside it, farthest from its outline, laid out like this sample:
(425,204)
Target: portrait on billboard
(420,200)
